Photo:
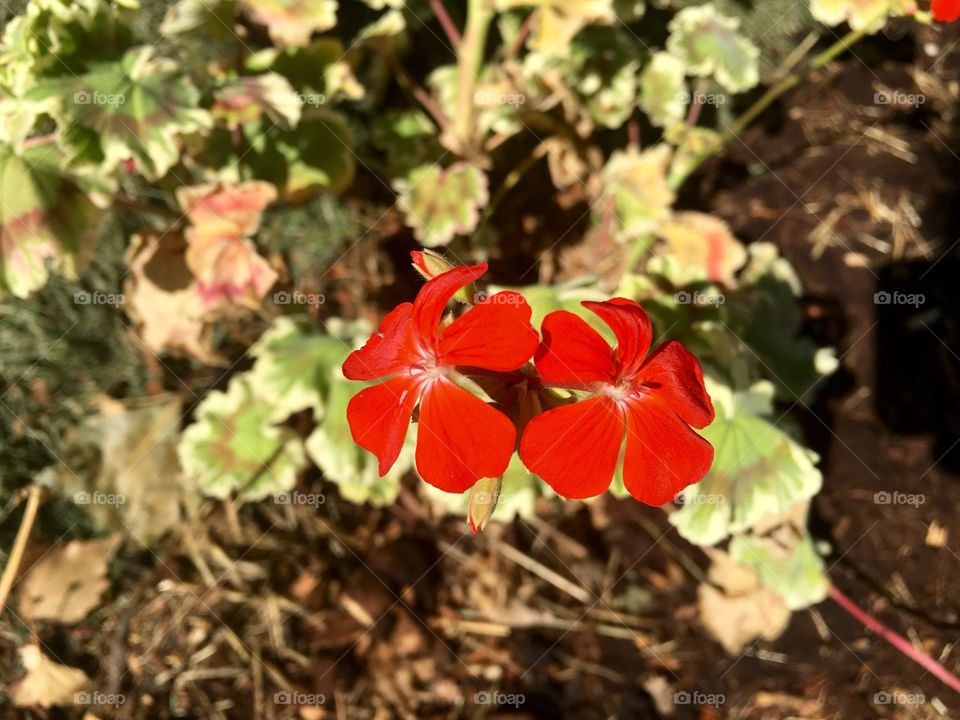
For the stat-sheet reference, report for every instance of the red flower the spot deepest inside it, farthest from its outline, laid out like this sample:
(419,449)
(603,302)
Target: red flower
(945,10)
(651,399)
(460,438)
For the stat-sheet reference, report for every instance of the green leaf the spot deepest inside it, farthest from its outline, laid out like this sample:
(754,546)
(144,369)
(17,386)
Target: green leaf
(346,464)
(135,108)
(46,221)
(233,445)
(293,368)
(662,88)
(758,470)
(795,572)
(318,71)
(709,45)
(292,22)
(635,188)
(442,203)
(407,138)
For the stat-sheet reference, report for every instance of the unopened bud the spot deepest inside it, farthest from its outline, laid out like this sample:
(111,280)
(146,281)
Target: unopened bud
(483,501)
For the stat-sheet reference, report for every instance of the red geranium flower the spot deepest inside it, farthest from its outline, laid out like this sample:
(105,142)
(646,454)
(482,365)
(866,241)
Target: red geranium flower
(460,438)
(652,400)
(946,10)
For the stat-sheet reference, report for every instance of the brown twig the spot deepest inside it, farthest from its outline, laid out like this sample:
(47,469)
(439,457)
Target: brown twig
(19,544)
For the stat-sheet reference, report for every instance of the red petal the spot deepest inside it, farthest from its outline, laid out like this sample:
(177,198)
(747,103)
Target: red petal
(946,10)
(495,334)
(673,374)
(663,454)
(388,351)
(573,353)
(379,417)
(574,448)
(433,298)
(631,325)
(460,438)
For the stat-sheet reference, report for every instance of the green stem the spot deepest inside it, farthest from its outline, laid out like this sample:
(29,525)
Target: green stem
(479,16)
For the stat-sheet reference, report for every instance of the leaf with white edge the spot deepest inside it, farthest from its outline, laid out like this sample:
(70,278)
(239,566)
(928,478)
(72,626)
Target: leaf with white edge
(601,65)
(47,683)
(859,14)
(293,367)
(709,45)
(245,99)
(234,446)
(663,88)
(352,469)
(439,203)
(134,109)
(292,22)
(794,572)
(758,470)
(635,189)
(219,253)
(558,21)
(319,71)
(46,220)
(704,245)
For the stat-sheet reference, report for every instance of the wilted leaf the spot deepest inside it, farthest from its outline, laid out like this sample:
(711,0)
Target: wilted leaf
(161,298)
(704,244)
(735,610)
(662,89)
(245,99)
(47,683)
(234,446)
(45,220)
(793,570)
(67,582)
(134,108)
(292,22)
(219,253)
(708,44)
(635,183)
(442,203)
(758,470)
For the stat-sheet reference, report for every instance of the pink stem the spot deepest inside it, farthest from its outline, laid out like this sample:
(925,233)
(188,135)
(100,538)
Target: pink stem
(522,35)
(897,640)
(445,22)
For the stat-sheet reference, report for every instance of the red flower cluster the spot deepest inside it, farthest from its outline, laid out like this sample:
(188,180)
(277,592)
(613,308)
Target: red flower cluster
(623,396)
(945,10)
